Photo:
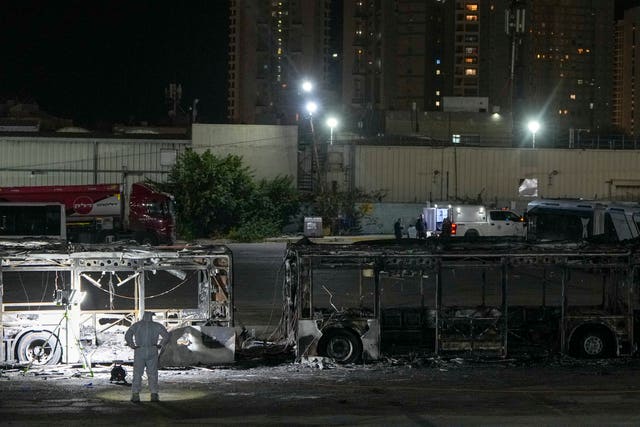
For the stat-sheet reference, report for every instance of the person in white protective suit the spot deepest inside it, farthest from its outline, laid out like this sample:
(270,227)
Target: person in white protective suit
(143,336)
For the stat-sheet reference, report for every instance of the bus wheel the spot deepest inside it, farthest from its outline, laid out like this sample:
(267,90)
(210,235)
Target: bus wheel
(593,344)
(342,345)
(40,348)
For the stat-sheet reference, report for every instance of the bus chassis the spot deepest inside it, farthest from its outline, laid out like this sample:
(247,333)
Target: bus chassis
(72,303)
(483,296)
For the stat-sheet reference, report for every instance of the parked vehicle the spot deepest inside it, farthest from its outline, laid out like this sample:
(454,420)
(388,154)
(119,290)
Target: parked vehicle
(476,220)
(23,220)
(566,219)
(352,302)
(73,304)
(105,212)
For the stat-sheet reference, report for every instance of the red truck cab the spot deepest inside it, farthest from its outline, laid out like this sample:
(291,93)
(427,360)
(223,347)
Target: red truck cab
(103,212)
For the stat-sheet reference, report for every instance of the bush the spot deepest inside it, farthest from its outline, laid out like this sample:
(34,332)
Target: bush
(252,231)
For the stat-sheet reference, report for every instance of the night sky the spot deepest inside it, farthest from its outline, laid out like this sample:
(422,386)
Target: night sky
(100,62)
(108,61)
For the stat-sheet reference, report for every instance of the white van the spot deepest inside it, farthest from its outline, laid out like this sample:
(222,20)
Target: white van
(473,221)
(476,220)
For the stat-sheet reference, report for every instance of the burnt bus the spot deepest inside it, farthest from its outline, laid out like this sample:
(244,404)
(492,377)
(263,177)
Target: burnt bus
(27,220)
(356,302)
(574,220)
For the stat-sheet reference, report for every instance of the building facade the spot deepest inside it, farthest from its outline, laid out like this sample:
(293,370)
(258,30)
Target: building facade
(626,91)
(273,46)
(546,59)
(408,55)
(567,67)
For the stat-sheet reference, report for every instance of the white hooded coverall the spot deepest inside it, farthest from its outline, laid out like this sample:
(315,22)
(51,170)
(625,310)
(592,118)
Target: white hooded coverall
(143,337)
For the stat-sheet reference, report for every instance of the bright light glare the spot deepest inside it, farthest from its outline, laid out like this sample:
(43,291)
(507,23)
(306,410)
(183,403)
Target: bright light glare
(332,122)
(534,126)
(307,86)
(311,107)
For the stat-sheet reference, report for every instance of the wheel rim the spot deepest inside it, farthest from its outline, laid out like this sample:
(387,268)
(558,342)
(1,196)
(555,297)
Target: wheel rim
(340,348)
(39,351)
(593,345)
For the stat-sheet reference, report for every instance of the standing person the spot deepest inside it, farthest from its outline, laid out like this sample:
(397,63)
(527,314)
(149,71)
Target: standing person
(446,228)
(142,336)
(420,228)
(397,228)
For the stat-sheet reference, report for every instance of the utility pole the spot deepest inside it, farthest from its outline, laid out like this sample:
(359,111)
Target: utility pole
(515,28)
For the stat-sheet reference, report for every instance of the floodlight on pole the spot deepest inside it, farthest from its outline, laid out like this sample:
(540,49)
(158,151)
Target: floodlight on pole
(534,126)
(332,122)
(307,86)
(311,107)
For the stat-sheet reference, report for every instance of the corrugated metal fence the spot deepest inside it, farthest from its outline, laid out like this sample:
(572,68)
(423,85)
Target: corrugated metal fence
(419,174)
(68,161)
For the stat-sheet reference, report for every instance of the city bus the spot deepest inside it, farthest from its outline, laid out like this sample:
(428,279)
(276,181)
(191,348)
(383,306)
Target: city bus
(68,303)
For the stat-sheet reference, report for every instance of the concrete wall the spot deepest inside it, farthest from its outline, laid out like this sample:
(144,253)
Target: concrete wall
(380,217)
(44,160)
(474,128)
(420,174)
(268,151)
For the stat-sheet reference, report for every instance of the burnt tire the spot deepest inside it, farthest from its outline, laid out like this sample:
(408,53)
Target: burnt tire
(341,345)
(39,348)
(593,344)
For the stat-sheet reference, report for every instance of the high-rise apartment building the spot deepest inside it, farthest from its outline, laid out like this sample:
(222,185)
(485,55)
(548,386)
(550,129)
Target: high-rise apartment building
(626,91)
(567,66)
(273,45)
(410,54)
(549,59)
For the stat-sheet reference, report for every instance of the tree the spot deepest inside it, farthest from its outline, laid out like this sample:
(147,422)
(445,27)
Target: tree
(213,194)
(274,204)
(339,209)
(216,196)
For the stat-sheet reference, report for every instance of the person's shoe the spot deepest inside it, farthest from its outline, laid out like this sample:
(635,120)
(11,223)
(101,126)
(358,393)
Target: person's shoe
(154,397)
(135,397)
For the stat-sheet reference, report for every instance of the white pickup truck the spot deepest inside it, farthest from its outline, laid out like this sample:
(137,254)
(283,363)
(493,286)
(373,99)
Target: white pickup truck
(472,221)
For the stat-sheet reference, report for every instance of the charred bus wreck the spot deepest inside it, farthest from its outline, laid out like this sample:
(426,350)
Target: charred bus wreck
(72,304)
(354,301)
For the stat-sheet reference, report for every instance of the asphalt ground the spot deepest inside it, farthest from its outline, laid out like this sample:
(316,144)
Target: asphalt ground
(396,392)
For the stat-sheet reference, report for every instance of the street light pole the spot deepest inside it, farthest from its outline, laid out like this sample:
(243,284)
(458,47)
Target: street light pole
(332,122)
(533,126)
(312,107)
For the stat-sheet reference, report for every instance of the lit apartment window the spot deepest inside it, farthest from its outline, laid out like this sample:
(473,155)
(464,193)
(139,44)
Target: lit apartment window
(470,72)
(437,103)
(572,96)
(472,7)
(437,93)
(471,17)
(469,60)
(438,72)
